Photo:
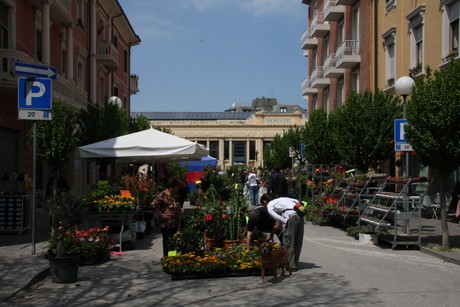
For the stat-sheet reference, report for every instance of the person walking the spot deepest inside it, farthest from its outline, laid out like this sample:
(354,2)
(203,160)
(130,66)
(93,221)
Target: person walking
(169,211)
(277,185)
(290,213)
(252,184)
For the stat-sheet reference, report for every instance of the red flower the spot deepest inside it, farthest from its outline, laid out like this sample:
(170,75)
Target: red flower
(208,217)
(224,215)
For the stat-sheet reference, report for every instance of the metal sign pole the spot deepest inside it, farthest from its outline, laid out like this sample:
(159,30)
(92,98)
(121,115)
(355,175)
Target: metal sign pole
(34,200)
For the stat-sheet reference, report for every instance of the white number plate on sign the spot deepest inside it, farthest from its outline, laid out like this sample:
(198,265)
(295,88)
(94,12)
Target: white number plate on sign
(34,115)
(403,147)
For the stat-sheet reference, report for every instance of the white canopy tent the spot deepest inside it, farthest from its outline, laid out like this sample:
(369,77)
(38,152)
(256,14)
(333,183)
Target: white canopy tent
(147,145)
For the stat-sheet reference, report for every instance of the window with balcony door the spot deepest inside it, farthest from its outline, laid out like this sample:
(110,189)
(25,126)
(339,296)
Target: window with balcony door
(80,15)
(453,11)
(326,101)
(325,48)
(38,44)
(340,33)
(63,61)
(80,74)
(340,93)
(4,26)
(418,36)
(355,81)
(416,21)
(390,61)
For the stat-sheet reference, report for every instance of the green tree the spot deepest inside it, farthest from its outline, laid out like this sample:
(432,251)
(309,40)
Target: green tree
(277,154)
(138,123)
(434,131)
(317,136)
(57,138)
(363,128)
(97,124)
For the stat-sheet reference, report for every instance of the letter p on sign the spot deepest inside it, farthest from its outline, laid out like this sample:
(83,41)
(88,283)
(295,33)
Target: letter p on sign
(34,93)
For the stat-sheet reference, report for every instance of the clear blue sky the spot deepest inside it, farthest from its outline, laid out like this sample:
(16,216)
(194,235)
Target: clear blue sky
(205,55)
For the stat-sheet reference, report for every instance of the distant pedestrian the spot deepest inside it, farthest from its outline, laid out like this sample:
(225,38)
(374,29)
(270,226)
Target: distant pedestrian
(277,185)
(252,184)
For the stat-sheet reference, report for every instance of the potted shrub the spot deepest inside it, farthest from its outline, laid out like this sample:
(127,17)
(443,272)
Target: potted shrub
(234,219)
(63,250)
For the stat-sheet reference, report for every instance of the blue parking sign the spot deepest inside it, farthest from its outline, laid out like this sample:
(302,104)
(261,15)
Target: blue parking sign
(34,93)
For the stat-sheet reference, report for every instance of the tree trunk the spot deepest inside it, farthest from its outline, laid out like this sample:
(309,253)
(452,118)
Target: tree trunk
(442,194)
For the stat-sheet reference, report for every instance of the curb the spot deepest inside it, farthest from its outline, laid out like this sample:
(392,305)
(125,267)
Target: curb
(40,276)
(441,255)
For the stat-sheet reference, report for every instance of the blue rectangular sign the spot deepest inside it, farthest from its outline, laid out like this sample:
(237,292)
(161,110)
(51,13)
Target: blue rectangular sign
(399,136)
(34,93)
(34,70)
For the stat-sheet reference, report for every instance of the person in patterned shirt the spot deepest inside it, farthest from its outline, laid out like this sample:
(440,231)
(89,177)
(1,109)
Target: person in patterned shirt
(169,212)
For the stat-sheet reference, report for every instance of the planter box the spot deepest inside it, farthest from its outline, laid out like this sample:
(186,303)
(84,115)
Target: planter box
(367,239)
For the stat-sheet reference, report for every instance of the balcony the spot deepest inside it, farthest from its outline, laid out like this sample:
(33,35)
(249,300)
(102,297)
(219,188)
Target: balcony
(330,69)
(346,2)
(308,42)
(107,54)
(133,84)
(347,55)
(332,11)
(307,89)
(319,27)
(318,80)
(9,81)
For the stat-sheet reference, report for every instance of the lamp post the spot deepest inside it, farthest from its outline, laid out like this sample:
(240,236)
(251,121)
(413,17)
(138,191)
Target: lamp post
(403,87)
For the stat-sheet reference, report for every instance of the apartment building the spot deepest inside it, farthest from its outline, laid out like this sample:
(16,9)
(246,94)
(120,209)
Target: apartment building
(358,45)
(89,44)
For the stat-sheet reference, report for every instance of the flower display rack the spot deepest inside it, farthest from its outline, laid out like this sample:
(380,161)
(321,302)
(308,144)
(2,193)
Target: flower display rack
(396,207)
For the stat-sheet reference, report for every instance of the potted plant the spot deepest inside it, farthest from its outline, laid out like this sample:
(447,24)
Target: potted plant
(235,219)
(63,250)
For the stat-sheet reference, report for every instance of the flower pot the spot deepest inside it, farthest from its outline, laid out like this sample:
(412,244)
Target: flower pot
(64,269)
(210,243)
(230,243)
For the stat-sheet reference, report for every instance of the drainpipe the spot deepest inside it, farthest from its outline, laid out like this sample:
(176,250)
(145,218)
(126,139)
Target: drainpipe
(376,45)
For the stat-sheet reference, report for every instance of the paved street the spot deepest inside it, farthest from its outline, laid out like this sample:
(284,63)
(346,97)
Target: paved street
(335,270)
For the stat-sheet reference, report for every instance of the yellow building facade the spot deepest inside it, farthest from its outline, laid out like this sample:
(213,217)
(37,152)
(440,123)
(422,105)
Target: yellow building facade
(233,138)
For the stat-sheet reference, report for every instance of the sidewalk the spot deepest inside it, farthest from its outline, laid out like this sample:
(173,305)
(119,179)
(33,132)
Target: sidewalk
(21,270)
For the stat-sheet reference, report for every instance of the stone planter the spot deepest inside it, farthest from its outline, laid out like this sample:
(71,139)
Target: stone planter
(367,239)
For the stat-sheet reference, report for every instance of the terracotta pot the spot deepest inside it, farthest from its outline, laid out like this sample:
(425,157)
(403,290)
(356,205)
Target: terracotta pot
(210,243)
(229,243)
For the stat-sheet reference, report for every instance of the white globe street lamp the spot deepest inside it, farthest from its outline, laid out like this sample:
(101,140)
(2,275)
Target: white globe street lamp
(403,87)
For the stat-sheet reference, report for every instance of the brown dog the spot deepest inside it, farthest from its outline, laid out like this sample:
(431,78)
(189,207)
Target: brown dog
(274,258)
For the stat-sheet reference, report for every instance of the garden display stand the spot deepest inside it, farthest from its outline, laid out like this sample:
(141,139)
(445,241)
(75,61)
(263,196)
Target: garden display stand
(396,207)
(357,195)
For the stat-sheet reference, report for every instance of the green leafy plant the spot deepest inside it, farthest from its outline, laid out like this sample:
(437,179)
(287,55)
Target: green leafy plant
(93,245)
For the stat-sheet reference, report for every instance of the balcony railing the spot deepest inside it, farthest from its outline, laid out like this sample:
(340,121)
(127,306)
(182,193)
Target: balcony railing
(348,54)
(332,11)
(330,67)
(308,42)
(107,53)
(317,78)
(307,89)
(134,81)
(319,27)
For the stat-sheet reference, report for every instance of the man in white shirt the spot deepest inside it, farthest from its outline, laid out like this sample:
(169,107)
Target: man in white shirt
(286,211)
